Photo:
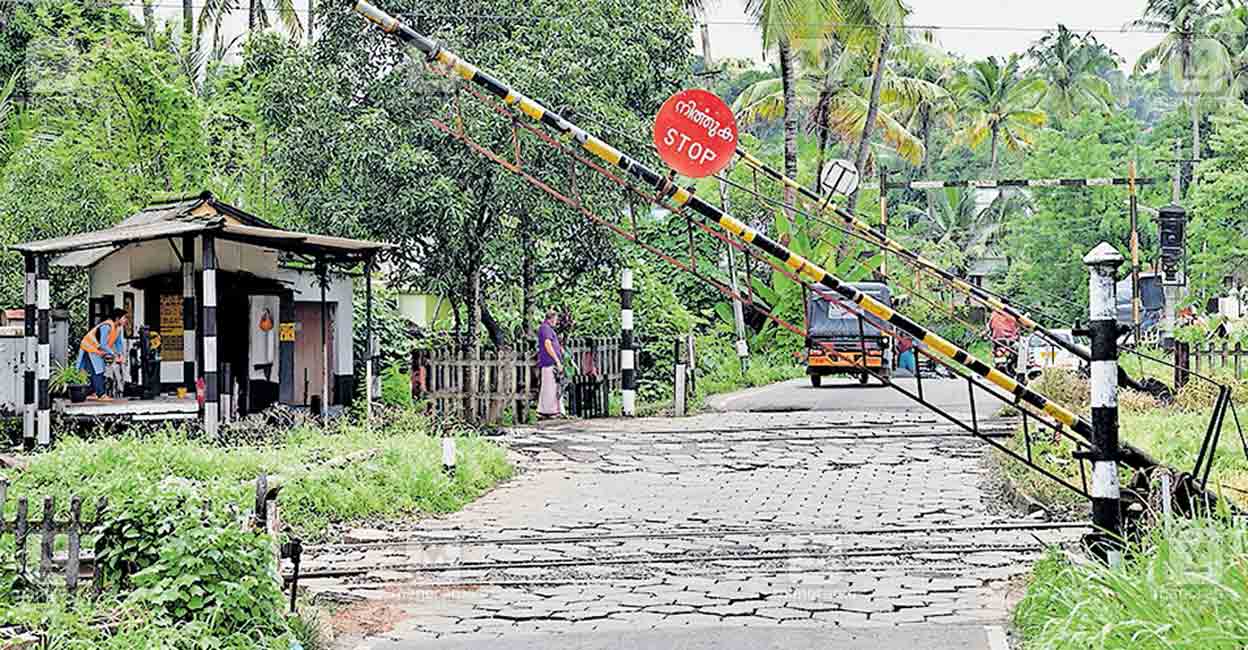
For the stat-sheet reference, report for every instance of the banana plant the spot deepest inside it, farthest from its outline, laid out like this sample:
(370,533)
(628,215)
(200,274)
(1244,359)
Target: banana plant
(785,298)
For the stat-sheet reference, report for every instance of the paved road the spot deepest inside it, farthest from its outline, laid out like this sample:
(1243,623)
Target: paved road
(846,393)
(814,529)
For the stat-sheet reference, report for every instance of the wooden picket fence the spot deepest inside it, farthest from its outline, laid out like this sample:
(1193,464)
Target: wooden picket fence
(1209,357)
(48,529)
(481,389)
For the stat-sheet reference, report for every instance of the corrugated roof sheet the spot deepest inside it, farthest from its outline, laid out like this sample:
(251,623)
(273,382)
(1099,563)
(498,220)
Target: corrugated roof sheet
(120,235)
(278,237)
(188,216)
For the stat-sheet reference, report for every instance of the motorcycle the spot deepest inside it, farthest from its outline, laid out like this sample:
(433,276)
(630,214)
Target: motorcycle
(1005,356)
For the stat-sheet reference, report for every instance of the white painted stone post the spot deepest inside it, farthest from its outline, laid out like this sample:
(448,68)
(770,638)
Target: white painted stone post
(1103,261)
(628,360)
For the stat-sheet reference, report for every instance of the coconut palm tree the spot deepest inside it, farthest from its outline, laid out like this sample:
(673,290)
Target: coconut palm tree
(784,23)
(1077,69)
(875,22)
(1198,63)
(1001,104)
(214,12)
(924,61)
(840,110)
(959,223)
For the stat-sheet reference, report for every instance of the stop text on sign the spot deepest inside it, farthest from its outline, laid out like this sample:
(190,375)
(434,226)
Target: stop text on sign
(695,133)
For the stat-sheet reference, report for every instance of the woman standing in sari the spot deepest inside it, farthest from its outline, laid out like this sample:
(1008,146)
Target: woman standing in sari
(550,364)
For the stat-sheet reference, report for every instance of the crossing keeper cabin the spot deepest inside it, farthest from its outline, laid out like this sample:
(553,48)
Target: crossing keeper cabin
(219,300)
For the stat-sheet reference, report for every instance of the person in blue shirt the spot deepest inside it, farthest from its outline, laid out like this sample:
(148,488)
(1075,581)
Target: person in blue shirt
(93,357)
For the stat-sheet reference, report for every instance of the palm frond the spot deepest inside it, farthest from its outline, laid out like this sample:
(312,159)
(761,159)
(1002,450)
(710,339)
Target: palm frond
(847,117)
(289,15)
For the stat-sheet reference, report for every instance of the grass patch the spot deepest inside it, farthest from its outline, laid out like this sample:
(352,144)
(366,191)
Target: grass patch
(397,470)
(1172,434)
(724,375)
(1185,588)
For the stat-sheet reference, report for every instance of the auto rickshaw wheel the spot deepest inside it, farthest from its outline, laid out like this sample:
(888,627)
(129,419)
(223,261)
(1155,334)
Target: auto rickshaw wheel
(864,378)
(816,380)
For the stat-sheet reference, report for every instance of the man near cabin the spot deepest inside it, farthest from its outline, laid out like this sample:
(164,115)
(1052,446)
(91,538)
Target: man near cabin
(550,362)
(103,344)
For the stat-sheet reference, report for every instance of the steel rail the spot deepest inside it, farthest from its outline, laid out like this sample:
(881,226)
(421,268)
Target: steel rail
(736,531)
(687,558)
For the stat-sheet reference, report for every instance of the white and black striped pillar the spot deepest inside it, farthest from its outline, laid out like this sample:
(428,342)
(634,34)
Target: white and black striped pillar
(628,365)
(1103,261)
(32,357)
(212,391)
(43,302)
(188,313)
(369,348)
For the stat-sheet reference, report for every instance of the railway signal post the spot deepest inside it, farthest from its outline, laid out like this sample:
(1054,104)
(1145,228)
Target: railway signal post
(1103,262)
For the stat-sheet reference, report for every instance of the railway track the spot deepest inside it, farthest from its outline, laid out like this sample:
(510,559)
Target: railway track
(684,558)
(716,532)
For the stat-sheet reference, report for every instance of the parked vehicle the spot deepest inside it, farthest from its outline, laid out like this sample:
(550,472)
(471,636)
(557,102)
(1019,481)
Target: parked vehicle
(1046,354)
(839,342)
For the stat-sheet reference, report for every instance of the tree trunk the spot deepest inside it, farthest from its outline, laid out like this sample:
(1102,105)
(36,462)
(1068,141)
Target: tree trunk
(149,23)
(790,121)
(188,17)
(992,166)
(821,118)
(926,126)
(528,278)
(873,108)
(251,16)
(1195,129)
(473,342)
(497,337)
(311,8)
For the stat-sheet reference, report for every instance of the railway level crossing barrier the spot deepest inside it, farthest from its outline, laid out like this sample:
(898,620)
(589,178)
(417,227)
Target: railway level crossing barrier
(635,177)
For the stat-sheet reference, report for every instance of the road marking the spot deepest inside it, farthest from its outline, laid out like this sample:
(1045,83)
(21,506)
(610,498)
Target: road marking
(996,638)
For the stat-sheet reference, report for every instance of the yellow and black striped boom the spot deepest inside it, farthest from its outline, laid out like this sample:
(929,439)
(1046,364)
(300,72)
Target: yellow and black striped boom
(685,199)
(877,237)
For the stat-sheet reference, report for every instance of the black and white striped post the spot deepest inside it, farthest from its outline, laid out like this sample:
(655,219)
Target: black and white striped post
(1103,261)
(32,357)
(212,389)
(43,298)
(628,360)
(188,313)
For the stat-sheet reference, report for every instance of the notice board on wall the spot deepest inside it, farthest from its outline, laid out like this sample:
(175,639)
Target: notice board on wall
(171,327)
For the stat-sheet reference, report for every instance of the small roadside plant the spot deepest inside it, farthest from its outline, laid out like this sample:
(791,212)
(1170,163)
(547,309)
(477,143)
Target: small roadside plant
(64,376)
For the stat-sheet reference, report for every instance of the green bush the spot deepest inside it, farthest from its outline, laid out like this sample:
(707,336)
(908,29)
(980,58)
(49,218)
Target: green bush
(133,529)
(394,468)
(213,572)
(396,387)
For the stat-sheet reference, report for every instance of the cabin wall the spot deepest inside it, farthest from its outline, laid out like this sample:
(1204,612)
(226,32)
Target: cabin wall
(339,292)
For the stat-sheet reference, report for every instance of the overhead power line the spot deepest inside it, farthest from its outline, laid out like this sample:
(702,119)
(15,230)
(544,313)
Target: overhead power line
(169,4)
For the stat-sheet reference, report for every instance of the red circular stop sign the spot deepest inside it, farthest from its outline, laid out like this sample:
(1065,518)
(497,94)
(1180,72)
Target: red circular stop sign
(695,133)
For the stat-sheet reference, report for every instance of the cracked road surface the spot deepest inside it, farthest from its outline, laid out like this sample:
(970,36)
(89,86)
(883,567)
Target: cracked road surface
(815,529)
